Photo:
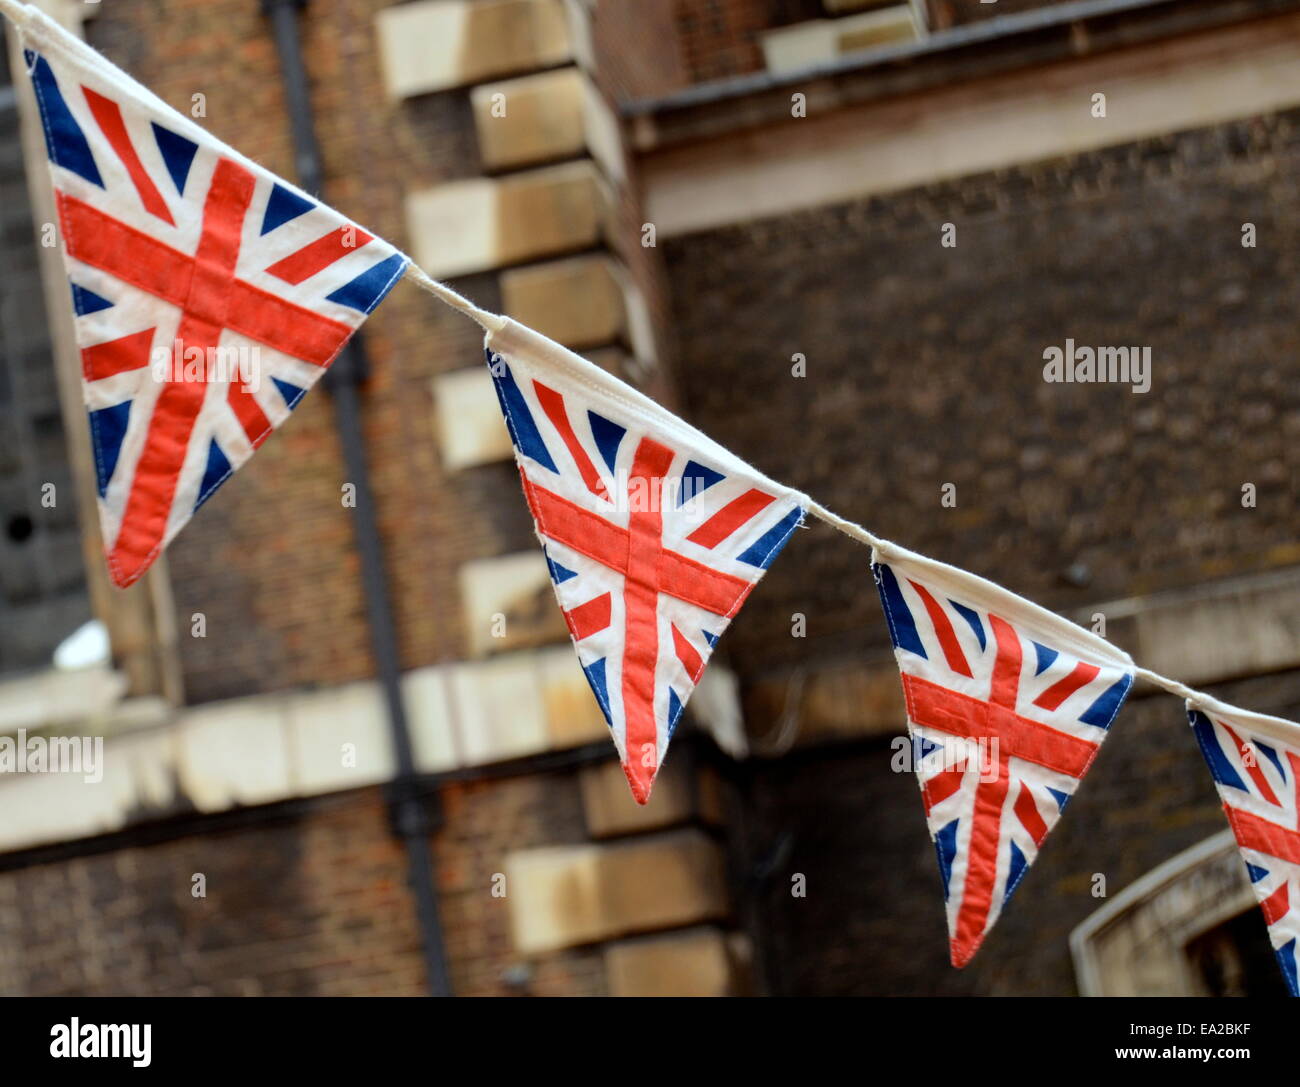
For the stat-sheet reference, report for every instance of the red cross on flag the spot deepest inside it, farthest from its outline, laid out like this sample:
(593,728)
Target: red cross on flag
(654,534)
(1007,706)
(209,294)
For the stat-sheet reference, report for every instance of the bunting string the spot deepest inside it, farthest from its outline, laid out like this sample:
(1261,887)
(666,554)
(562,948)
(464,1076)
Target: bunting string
(490,322)
(654,534)
(882,547)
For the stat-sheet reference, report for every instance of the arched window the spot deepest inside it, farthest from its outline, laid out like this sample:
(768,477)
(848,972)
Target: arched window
(1190,927)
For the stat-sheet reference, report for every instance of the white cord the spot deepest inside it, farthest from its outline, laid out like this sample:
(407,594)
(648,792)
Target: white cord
(850,529)
(1170,685)
(417,275)
(883,548)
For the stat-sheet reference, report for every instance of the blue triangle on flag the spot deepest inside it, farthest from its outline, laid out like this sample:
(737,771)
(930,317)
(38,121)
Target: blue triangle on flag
(1272,757)
(766,548)
(1102,712)
(1220,768)
(84,301)
(215,475)
(922,747)
(370,288)
(1286,957)
(519,420)
(1255,872)
(64,140)
(1045,658)
(177,152)
(1061,798)
(674,712)
(282,206)
(696,479)
(596,677)
(945,844)
(1015,870)
(291,393)
(902,626)
(107,429)
(972,617)
(712,639)
(559,574)
(608,437)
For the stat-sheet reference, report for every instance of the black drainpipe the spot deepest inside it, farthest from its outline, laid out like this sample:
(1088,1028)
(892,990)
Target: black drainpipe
(408,802)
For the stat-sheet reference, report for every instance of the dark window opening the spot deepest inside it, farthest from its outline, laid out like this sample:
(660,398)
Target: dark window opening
(1235,958)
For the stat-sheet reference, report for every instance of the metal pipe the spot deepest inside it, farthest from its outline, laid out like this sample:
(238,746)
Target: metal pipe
(408,801)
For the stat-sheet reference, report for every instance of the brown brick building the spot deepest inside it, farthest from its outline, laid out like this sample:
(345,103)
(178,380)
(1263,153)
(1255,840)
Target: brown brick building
(693,194)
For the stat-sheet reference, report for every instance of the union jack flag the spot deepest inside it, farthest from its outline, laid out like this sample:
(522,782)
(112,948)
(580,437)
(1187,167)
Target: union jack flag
(209,295)
(1255,761)
(654,535)
(1007,705)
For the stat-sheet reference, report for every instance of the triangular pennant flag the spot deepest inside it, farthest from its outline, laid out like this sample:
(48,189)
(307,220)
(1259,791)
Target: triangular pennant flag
(203,287)
(1007,705)
(1255,762)
(654,533)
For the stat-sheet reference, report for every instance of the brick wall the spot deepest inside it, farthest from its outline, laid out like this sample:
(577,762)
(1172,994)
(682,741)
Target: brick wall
(272,923)
(640,52)
(720,38)
(925,368)
(311,905)
(484,822)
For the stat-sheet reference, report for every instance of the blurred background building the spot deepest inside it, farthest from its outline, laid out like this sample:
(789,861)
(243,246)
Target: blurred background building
(702,196)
